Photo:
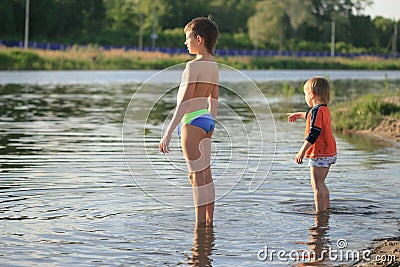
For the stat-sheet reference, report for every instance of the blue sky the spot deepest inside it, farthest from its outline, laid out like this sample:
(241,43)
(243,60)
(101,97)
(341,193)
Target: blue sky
(385,8)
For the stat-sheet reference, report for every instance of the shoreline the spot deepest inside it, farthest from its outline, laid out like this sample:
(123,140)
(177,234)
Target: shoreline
(120,59)
(388,131)
(389,127)
(384,252)
(372,115)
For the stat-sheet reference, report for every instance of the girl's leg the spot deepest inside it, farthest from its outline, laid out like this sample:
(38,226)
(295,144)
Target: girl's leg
(197,149)
(321,192)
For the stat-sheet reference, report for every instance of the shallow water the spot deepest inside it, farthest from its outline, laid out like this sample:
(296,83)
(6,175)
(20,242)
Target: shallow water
(69,196)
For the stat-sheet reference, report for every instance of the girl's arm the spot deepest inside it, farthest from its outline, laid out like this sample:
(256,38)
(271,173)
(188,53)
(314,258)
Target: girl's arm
(292,117)
(302,152)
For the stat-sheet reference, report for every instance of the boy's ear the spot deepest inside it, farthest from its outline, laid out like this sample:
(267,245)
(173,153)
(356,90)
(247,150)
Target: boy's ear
(312,95)
(199,39)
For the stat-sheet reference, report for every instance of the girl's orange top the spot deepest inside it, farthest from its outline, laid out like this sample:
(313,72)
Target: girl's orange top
(319,133)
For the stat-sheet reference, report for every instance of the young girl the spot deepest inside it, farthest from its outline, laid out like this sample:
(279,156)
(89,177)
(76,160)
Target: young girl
(199,85)
(319,145)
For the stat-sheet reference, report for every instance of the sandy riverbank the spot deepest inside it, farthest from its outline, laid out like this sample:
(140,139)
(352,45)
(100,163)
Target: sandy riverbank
(371,115)
(388,129)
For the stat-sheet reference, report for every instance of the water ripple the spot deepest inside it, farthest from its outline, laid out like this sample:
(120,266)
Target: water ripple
(67,198)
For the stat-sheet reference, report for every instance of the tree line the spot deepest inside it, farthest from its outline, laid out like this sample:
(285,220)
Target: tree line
(264,24)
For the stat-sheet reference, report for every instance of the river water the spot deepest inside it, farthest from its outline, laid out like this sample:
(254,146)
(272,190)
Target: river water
(82,181)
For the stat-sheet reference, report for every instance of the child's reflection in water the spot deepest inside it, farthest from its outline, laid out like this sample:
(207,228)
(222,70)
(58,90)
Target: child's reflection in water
(203,244)
(319,240)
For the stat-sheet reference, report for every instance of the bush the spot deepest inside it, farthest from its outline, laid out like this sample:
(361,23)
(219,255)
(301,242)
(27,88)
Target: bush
(171,38)
(295,44)
(6,61)
(20,60)
(237,40)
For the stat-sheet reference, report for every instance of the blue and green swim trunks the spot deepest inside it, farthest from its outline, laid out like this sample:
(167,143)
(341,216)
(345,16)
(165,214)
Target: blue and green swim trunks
(200,118)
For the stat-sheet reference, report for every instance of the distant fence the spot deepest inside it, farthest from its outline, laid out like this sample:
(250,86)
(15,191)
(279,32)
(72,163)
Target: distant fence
(220,52)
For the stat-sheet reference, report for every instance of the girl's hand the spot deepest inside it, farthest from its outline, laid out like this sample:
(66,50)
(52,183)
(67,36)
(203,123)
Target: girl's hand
(164,143)
(299,157)
(292,117)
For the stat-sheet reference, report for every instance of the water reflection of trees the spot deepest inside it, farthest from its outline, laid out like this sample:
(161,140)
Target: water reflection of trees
(28,110)
(364,142)
(23,103)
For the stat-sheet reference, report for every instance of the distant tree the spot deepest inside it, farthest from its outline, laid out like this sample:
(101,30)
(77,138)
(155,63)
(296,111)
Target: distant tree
(384,31)
(66,20)
(276,19)
(299,13)
(121,14)
(362,32)
(283,24)
(339,11)
(328,8)
(11,20)
(232,15)
(176,13)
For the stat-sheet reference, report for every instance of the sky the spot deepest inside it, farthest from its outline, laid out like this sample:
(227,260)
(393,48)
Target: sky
(386,8)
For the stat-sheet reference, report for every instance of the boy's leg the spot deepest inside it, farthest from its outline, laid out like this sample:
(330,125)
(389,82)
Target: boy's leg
(208,180)
(210,197)
(193,147)
(321,192)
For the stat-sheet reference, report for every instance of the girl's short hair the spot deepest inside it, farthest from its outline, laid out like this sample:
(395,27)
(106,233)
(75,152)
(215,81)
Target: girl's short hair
(205,28)
(320,87)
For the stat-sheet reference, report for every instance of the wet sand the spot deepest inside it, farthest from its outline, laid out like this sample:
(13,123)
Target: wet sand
(385,252)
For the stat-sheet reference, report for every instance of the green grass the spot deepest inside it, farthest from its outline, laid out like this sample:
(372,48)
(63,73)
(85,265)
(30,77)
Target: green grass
(96,59)
(90,59)
(363,113)
(324,63)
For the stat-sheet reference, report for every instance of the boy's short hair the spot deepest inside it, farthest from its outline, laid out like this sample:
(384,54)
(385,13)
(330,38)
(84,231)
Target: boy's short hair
(319,86)
(205,28)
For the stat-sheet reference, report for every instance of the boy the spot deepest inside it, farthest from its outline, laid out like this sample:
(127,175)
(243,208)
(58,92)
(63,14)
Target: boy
(199,85)
(319,145)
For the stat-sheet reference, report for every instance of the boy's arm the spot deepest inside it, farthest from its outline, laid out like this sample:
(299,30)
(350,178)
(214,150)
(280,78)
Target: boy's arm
(181,108)
(292,117)
(189,85)
(213,101)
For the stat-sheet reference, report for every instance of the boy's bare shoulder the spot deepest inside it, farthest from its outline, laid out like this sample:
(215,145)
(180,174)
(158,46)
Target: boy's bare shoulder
(203,70)
(197,63)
